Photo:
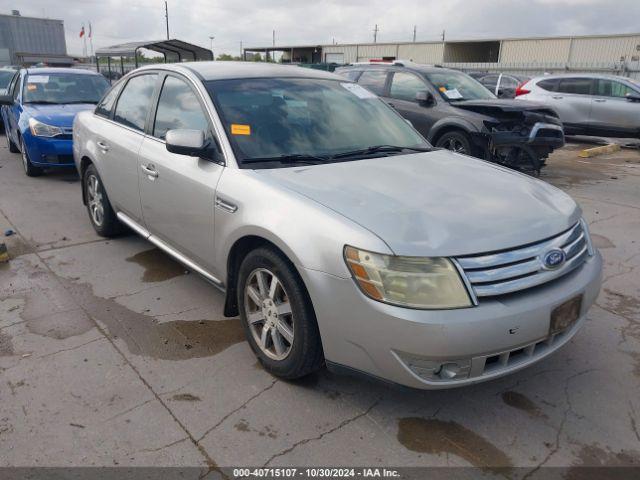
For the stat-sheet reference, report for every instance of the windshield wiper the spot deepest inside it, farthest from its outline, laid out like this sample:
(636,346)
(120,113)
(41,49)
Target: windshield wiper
(43,102)
(300,158)
(376,149)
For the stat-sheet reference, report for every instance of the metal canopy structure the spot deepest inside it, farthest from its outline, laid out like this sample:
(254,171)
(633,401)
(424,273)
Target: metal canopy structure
(172,49)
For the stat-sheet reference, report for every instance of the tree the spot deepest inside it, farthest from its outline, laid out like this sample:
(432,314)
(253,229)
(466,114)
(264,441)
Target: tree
(225,57)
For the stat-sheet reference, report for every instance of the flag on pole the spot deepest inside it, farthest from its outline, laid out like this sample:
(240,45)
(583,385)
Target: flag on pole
(82,32)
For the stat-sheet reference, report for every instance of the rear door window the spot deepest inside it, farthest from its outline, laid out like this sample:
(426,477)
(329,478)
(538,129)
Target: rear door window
(577,86)
(105,107)
(404,86)
(135,101)
(374,80)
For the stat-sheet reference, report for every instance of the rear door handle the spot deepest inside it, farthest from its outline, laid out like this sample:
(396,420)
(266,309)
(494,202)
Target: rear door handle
(600,100)
(150,170)
(103,146)
(558,97)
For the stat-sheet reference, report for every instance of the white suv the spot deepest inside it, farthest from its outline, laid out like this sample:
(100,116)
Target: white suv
(589,104)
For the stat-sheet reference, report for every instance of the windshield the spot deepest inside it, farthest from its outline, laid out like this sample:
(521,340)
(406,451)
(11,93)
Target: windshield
(5,78)
(275,117)
(456,86)
(64,88)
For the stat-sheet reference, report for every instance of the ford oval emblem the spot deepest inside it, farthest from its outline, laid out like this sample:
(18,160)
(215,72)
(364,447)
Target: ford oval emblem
(553,259)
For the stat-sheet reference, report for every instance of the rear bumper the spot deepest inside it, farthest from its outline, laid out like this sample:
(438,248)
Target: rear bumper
(49,152)
(401,345)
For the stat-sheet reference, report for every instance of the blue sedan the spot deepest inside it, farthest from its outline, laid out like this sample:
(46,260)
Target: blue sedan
(38,111)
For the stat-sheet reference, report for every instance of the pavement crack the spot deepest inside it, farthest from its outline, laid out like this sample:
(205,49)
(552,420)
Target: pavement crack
(249,400)
(632,419)
(147,450)
(304,441)
(560,429)
(70,348)
(127,410)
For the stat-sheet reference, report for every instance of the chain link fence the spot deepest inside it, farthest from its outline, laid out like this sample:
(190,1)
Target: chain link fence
(625,69)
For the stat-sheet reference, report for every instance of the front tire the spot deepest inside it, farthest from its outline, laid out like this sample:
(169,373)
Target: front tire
(277,315)
(29,168)
(10,145)
(458,142)
(103,218)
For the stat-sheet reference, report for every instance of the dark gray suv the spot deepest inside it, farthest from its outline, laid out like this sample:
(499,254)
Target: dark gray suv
(454,111)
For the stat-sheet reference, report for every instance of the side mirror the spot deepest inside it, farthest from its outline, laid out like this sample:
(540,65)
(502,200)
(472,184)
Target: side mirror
(186,142)
(632,97)
(6,100)
(425,98)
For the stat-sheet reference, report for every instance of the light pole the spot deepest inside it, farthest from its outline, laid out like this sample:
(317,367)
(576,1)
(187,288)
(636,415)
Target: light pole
(211,39)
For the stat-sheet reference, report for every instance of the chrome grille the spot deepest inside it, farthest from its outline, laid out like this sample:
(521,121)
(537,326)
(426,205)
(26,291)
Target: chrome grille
(520,268)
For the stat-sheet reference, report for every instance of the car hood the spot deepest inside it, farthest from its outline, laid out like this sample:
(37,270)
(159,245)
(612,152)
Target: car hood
(502,106)
(56,115)
(436,203)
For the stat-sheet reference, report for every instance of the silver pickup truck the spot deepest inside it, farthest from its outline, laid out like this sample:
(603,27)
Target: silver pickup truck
(337,233)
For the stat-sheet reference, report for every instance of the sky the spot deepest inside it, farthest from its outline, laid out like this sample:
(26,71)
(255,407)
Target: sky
(303,22)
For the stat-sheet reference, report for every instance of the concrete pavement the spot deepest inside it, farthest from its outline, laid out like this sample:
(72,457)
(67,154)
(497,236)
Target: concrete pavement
(113,354)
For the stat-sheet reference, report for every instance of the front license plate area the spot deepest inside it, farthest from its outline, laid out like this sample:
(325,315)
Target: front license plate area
(565,315)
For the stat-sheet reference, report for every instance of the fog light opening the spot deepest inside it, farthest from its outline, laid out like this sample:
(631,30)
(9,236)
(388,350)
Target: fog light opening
(449,370)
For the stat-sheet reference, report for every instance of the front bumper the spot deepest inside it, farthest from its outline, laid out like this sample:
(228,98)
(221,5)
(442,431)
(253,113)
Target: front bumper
(499,336)
(50,152)
(541,135)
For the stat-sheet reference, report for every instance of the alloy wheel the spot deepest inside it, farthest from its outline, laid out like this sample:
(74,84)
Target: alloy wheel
(269,315)
(94,200)
(455,145)
(25,157)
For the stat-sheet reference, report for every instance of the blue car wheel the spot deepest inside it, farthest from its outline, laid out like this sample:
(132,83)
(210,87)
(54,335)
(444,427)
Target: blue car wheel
(10,145)
(29,168)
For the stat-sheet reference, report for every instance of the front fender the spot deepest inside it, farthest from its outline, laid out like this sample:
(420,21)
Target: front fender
(310,234)
(452,122)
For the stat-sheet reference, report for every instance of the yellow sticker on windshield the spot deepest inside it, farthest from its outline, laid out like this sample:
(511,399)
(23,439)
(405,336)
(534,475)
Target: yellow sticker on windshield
(442,89)
(31,87)
(237,129)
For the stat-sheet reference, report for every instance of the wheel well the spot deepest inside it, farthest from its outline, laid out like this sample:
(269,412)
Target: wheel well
(449,129)
(84,164)
(477,143)
(238,251)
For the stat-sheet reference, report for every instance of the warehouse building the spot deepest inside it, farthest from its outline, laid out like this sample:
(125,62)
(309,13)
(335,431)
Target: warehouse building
(607,53)
(28,41)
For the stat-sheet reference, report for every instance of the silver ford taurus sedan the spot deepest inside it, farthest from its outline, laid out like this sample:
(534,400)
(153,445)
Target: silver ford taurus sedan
(338,234)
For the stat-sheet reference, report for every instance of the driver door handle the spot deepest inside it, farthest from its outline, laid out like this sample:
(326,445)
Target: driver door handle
(600,100)
(558,97)
(103,146)
(150,170)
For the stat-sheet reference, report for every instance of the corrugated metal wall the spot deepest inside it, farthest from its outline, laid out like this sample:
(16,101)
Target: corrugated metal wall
(368,51)
(421,52)
(606,49)
(349,51)
(32,35)
(534,50)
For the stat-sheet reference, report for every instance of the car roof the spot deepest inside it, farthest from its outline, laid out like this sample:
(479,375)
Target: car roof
(417,67)
(218,70)
(579,75)
(53,70)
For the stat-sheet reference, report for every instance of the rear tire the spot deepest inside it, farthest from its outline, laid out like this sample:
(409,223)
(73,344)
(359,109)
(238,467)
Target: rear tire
(10,145)
(279,321)
(458,142)
(103,218)
(29,168)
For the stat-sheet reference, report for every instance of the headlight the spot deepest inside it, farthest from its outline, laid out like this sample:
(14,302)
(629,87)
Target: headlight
(40,129)
(416,282)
